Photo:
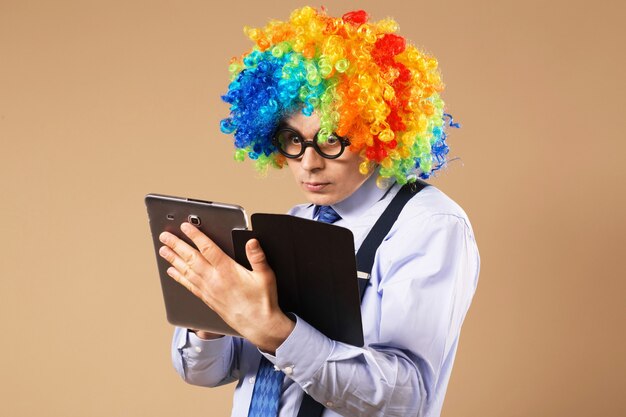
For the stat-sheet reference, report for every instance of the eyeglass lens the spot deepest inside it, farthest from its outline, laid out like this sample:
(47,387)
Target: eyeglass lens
(293,144)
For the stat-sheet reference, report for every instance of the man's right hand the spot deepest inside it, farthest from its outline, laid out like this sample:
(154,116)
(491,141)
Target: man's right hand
(246,300)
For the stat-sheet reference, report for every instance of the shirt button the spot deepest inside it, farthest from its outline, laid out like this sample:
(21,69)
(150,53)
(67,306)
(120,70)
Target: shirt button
(198,349)
(329,404)
(251,380)
(288,370)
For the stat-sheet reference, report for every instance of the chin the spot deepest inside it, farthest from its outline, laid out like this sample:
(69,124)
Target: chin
(321,199)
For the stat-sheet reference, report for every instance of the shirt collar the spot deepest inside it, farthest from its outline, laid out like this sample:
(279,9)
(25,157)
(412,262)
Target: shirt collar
(361,200)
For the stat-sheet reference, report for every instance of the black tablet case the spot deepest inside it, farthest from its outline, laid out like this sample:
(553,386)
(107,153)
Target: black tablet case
(315,271)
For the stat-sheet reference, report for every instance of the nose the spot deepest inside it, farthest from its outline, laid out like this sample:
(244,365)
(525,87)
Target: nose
(311,160)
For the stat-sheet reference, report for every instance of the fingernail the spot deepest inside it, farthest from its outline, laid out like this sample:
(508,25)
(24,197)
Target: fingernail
(162,251)
(185,227)
(163,237)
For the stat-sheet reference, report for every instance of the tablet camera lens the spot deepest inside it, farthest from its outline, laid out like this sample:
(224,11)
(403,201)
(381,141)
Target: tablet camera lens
(195,220)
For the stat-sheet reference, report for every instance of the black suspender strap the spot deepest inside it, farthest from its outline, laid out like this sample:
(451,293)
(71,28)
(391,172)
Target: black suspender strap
(367,251)
(365,261)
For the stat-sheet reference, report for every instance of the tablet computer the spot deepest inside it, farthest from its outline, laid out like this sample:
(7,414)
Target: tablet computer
(217,221)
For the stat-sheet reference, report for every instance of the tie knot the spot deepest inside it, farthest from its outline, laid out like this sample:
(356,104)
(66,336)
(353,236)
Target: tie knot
(326,214)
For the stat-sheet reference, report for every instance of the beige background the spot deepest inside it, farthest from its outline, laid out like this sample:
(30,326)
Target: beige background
(102,102)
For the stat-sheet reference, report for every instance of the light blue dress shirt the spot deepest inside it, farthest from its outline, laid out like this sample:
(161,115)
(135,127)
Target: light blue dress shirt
(423,279)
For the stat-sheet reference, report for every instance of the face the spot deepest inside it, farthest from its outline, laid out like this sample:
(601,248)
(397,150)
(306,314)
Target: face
(323,181)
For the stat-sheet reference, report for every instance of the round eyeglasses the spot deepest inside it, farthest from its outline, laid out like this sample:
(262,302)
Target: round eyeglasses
(291,144)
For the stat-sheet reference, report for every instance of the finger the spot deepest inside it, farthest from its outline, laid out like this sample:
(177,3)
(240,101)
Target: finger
(206,246)
(256,256)
(188,254)
(177,262)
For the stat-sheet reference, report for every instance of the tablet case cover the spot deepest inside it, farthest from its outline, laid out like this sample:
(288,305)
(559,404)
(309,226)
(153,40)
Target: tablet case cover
(315,271)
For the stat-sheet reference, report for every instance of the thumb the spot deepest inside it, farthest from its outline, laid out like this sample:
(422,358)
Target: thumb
(256,256)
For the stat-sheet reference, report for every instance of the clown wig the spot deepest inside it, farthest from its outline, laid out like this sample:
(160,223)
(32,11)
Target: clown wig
(362,79)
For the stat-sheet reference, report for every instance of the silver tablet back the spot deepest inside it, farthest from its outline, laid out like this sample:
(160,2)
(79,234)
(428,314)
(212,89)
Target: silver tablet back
(216,220)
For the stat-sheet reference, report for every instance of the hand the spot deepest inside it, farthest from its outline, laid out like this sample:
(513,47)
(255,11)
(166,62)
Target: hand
(246,300)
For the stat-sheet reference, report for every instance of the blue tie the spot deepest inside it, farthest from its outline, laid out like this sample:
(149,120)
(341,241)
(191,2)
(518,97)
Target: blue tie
(326,214)
(267,389)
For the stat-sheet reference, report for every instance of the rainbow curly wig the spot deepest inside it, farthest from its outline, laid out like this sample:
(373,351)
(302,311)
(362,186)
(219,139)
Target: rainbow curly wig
(361,78)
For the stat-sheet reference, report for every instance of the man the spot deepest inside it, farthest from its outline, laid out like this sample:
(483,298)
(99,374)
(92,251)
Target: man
(354,113)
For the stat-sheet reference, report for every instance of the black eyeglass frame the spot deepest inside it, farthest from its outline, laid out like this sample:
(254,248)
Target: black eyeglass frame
(306,143)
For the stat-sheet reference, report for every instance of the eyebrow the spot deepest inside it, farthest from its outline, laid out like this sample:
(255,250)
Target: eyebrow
(284,124)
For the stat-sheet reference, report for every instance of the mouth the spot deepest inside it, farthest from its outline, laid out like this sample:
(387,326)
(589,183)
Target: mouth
(314,186)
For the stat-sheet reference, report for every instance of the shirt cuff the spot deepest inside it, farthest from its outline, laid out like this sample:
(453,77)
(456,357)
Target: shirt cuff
(198,345)
(303,353)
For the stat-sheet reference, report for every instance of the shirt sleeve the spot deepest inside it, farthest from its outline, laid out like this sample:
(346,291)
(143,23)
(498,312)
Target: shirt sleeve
(207,363)
(426,275)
